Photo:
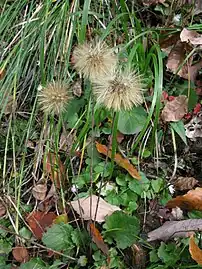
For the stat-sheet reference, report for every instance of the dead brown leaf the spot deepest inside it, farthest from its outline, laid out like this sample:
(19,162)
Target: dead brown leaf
(122,162)
(20,254)
(97,238)
(191,36)
(192,200)
(2,209)
(139,256)
(185,183)
(39,192)
(171,229)
(39,222)
(176,109)
(77,88)
(55,168)
(195,251)
(86,208)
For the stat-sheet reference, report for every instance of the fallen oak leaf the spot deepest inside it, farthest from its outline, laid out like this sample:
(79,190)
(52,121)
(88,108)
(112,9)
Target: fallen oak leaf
(192,200)
(122,162)
(176,109)
(39,222)
(171,229)
(97,238)
(195,251)
(86,208)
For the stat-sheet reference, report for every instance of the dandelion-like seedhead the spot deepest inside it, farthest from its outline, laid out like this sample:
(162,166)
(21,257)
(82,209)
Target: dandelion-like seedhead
(94,60)
(120,91)
(53,98)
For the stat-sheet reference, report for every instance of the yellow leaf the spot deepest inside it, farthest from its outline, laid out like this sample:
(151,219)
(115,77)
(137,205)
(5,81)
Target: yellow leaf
(122,162)
(195,251)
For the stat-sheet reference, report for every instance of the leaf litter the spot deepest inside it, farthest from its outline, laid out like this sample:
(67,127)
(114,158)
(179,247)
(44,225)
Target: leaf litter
(94,208)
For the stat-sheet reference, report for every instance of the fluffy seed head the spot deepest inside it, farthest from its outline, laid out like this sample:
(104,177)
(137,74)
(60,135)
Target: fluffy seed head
(94,60)
(53,98)
(120,91)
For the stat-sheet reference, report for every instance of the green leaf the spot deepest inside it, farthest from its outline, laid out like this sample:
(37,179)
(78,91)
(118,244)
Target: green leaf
(122,228)
(153,257)
(195,214)
(35,263)
(157,184)
(139,186)
(5,247)
(59,237)
(169,254)
(132,122)
(178,127)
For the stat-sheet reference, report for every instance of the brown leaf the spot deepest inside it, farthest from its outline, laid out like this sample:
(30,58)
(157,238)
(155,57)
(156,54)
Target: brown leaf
(55,168)
(39,221)
(191,36)
(2,209)
(176,109)
(87,208)
(123,162)
(192,200)
(139,256)
(185,183)
(97,238)
(195,251)
(171,229)
(20,254)
(39,191)
(77,88)
(2,73)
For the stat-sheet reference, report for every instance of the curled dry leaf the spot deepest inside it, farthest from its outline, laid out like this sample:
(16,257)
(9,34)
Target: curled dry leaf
(176,57)
(176,109)
(192,200)
(77,88)
(55,168)
(2,73)
(20,254)
(86,208)
(139,256)
(39,191)
(97,238)
(191,36)
(195,251)
(39,222)
(185,183)
(2,209)
(122,162)
(171,229)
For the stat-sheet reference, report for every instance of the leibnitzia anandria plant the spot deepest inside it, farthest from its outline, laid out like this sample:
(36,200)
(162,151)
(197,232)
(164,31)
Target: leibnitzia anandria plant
(54,97)
(94,59)
(120,90)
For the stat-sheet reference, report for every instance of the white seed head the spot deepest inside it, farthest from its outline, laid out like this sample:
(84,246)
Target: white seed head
(120,91)
(53,98)
(94,60)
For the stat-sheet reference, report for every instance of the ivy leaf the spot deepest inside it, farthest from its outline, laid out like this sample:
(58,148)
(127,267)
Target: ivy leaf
(122,228)
(132,122)
(59,237)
